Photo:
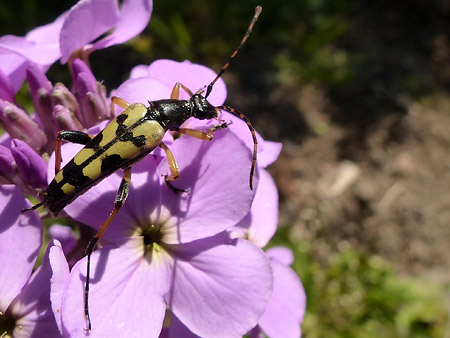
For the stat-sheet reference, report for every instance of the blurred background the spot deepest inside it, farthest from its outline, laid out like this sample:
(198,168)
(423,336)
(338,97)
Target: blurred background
(358,93)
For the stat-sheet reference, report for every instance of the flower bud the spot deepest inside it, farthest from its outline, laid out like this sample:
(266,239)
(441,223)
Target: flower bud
(64,119)
(9,174)
(6,163)
(91,95)
(40,89)
(20,125)
(63,96)
(31,166)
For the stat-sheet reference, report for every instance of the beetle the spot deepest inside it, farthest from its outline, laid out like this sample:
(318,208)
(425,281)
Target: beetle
(129,137)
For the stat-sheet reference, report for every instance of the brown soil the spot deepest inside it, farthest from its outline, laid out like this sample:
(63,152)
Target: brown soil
(385,190)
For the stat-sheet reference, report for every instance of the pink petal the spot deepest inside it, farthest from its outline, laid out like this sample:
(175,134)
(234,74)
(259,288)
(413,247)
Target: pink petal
(263,218)
(126,291)
(134,17)
(281,255)
(220,291)
(86,21)
(60,275)
(20,238)
(47,34)
(193,76)
(216,174)
(40,45)
(286,308)
(176,329)
(32,309)
(141,90)
(267,151)
(270,154)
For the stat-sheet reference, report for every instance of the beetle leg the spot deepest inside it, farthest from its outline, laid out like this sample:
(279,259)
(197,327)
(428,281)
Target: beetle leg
(219,126)
(71,136)
(176,90)
(173,166)
(206,136)
(118,101)
(121,196)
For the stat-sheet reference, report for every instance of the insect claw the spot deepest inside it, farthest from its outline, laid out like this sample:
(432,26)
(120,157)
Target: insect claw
(174,188)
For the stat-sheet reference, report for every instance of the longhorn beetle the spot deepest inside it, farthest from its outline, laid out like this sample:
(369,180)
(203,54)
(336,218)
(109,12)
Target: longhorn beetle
(130,136)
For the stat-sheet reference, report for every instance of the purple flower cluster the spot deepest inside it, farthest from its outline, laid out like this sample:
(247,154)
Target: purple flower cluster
(170,265)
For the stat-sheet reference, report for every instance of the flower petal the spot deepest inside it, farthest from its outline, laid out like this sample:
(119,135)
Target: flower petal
(134,17)
(267,151)
(285,310)
(220,291)
(262,220)
(86,21)
(32,308)
(20,238)
(60,275)
(270,153)
(40,45)
(281,254)
(141,90)
(176,329)
(216,175)
(125,296)
(193,76)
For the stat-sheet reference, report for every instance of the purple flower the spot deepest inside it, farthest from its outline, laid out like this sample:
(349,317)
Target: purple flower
(284,312)
(40,46)
(24,300)
(164,249)
(71,34)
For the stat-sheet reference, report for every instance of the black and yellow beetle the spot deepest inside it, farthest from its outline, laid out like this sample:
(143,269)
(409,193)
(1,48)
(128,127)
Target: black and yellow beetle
(130,136)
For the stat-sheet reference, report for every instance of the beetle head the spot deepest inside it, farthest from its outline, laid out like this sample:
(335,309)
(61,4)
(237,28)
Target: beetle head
(202,109)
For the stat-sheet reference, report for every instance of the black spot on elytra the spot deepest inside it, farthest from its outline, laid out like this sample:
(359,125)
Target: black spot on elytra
(73,174)
(121,118)
(111,161)
(121,129)
(139,141)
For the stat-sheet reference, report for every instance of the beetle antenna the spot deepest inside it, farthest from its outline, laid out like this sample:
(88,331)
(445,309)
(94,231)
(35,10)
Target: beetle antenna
(240,115)
(227,64)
